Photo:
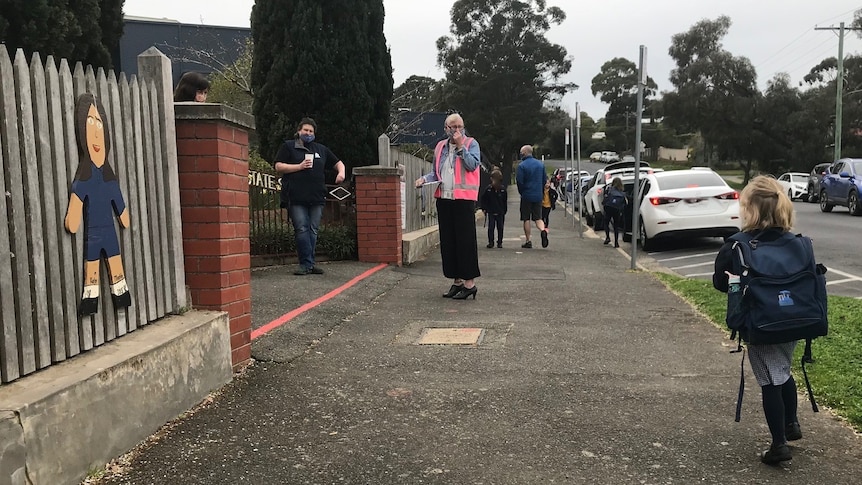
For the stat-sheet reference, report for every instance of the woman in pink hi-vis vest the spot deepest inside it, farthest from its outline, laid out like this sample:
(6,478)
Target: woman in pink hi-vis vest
(456,170)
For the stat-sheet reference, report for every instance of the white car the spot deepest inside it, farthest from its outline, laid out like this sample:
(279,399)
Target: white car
(795,185)
(594,196)
(693,203)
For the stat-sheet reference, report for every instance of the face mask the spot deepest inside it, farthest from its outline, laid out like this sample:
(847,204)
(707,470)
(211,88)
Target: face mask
(306,138)
(523,156)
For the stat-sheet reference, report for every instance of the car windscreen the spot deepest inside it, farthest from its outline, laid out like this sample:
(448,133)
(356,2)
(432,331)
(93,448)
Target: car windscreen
(857,166)
(695,179)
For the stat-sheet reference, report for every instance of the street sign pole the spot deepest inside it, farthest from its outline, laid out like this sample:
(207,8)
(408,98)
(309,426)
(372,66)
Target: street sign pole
(576,181)
(642,79)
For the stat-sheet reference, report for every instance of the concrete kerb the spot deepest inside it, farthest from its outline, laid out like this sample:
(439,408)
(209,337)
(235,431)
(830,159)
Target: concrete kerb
(75,416)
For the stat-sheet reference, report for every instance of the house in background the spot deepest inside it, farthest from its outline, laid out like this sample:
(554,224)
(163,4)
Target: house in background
(183,43)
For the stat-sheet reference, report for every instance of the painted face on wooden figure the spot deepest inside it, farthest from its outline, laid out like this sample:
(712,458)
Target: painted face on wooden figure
(95,137)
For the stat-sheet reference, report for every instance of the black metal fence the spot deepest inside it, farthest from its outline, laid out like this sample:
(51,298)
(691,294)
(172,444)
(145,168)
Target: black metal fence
(270,229)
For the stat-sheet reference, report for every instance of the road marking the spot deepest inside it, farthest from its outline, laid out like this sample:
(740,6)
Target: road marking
(838,282)
(317,301)
(686,257)
(693,265)
(846,275)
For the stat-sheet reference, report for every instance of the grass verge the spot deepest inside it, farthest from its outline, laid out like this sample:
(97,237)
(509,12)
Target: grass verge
(836,377)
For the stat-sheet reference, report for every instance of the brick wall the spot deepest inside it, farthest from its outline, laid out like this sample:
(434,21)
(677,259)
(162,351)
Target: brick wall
(212,152)
(378,214)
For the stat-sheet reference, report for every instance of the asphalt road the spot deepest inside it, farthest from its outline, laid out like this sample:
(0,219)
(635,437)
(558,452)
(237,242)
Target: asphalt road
(835,236)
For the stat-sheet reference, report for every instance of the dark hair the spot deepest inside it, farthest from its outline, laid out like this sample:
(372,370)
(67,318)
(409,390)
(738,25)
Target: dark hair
(306,121)
(189,85)
(82,109)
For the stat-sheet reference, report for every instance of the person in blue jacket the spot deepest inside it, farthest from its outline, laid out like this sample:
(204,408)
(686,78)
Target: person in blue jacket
(531,177)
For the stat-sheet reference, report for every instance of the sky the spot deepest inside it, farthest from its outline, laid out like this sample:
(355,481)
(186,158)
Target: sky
(775,35)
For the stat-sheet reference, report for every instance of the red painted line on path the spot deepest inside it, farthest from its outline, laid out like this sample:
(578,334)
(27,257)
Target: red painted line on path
(308,306)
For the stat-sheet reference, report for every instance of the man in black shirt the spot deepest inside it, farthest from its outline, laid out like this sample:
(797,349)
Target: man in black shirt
(302,162)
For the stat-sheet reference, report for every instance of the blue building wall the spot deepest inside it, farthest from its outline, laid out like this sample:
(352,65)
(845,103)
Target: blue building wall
(174,39)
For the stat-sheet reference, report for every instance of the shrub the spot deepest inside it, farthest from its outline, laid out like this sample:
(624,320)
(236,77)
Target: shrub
(337,242)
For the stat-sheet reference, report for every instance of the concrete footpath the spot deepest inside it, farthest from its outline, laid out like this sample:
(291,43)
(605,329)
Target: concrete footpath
(585,372)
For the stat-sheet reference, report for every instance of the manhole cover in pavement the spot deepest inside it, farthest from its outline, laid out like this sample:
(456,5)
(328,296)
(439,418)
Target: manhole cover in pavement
(450,336)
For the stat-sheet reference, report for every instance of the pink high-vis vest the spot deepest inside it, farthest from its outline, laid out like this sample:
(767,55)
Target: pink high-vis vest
(466,182)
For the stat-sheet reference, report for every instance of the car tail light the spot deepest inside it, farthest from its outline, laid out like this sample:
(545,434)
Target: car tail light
(663,200)
(734,195)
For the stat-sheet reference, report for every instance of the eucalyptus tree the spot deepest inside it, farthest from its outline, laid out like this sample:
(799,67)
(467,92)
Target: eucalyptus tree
(617,85)
(715,92)
(501,71)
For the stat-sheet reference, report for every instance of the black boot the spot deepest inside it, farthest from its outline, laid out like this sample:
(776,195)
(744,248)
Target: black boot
(89,306)
(122,301)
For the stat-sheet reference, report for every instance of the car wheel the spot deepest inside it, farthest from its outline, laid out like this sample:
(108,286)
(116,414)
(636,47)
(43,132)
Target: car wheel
(853,203)
(825,206)
(645,242)
(790,195)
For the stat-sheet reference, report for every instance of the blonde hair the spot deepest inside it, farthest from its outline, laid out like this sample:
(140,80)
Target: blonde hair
(763,204)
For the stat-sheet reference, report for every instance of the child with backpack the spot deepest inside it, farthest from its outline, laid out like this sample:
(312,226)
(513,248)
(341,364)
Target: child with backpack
(549,203)
(777,297)
(614,206)
(493,204)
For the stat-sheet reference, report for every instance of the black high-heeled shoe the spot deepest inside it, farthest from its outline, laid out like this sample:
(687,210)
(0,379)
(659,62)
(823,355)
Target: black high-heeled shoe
(466,292)
(453,290)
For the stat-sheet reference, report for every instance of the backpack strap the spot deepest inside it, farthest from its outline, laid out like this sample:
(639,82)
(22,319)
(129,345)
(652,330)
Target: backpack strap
(806,358)
(741,385)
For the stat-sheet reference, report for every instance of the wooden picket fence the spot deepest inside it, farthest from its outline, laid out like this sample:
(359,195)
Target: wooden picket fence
(41,264)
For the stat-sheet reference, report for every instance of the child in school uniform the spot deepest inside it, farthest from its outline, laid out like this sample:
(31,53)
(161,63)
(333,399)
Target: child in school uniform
(549,203)
(493,204)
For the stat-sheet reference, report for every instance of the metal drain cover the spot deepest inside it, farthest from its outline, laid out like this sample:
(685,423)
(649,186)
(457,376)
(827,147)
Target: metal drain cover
(451,336)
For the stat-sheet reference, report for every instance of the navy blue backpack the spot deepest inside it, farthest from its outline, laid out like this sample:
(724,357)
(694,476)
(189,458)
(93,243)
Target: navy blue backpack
(781,296)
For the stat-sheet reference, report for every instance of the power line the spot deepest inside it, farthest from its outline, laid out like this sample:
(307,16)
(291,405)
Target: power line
(802,59)
(806,31)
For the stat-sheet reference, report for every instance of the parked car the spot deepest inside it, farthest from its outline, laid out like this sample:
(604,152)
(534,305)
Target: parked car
(594,195)
(609,157)
(795,184)
(569,195)
(563,176)
(814,177)
(628,158)
(596,157)
(686,203)
(842,185)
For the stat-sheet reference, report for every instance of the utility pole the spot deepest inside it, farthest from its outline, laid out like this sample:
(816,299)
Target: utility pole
(839,92)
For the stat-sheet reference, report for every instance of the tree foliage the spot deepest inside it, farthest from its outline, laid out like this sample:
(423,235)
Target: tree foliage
(501,71)
(326,59)
(617,85)
(716,92)
(78,30)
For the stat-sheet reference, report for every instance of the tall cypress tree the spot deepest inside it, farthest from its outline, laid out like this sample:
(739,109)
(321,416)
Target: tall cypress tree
(326,59)
(78,30)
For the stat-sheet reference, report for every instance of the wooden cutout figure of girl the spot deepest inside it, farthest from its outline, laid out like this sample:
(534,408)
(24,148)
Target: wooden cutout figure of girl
(96,197)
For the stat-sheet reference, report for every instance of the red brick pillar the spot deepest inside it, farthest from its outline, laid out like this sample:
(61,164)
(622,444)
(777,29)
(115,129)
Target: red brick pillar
(212,153)
(378,214)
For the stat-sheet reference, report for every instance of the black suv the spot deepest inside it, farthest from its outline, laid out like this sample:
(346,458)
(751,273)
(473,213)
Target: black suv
(814,177)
